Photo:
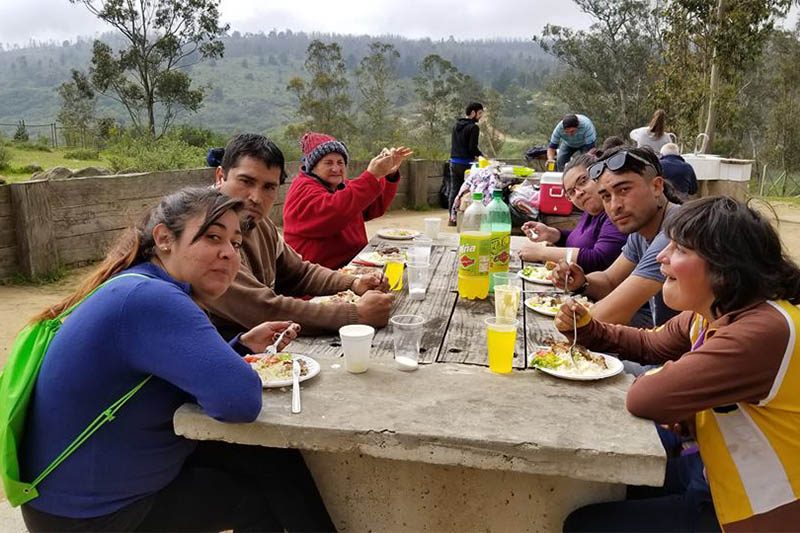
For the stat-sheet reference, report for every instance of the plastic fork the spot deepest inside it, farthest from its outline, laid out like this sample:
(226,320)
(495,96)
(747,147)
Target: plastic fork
(574,316)
(272,349)
(295,386)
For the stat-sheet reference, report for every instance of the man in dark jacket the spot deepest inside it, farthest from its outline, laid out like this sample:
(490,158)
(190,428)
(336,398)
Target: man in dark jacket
(677,171)
(463,151)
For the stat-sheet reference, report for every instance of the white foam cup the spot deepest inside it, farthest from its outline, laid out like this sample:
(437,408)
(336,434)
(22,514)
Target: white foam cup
(356,344)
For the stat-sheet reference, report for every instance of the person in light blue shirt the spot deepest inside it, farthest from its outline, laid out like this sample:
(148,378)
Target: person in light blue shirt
(575,133)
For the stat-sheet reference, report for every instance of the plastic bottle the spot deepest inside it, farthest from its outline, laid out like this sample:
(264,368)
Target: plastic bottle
(500,226)
(474,251)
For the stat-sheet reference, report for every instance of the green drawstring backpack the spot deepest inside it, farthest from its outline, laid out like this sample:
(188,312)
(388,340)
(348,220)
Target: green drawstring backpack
(17,382)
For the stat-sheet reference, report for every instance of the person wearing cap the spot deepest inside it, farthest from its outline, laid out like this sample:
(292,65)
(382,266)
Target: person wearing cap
(273,275)
(324,213)
(575,133)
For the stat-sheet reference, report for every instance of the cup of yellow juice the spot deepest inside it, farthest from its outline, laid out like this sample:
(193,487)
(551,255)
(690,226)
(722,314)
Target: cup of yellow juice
(501,337)
(394,274)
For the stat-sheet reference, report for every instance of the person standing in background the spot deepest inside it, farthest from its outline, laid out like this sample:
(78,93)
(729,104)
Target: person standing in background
(463,151)
(653,134)
(575,133)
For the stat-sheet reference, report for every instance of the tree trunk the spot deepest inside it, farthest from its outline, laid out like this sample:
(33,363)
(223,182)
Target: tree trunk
(711,120)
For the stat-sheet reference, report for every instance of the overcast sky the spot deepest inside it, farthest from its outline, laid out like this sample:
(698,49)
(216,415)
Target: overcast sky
(58,20)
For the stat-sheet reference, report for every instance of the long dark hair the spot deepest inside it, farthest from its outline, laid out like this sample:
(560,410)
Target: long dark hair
(745,259)
(657,123)
(136,244)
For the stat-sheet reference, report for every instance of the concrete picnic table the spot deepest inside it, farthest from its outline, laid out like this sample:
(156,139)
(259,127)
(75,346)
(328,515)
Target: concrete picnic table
(452,446)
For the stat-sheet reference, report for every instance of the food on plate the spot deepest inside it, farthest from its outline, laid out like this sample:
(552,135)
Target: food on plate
(551,303)
(276,367)
(557,357)
(537,272)
(398,233)
(550,265)
(343,297)
(381,256)
(359,270)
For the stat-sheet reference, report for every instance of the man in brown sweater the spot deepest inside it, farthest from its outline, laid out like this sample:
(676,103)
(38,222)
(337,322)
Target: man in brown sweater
(273,275)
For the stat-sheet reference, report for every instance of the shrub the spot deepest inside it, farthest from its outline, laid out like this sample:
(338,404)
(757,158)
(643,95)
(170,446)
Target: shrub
(30,169)
(5,157)
(82,154)
(199,137)
(141,153)
(21,135)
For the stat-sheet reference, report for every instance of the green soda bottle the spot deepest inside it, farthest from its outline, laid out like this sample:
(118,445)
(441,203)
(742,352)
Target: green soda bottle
(500,226)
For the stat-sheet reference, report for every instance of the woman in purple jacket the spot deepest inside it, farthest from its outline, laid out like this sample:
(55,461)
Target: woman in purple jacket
(595,241)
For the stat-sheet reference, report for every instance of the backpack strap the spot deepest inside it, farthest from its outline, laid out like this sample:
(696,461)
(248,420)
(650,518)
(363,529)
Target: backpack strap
(107,415)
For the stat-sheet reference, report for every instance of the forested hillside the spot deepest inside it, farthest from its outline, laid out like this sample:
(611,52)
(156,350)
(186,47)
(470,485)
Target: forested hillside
(246,89)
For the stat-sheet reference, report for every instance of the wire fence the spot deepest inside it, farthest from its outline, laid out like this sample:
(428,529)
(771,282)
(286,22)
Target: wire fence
(776,182)
(52,134)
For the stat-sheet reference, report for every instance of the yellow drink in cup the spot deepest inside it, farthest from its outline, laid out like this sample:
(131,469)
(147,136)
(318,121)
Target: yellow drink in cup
(394,274)
(501,337)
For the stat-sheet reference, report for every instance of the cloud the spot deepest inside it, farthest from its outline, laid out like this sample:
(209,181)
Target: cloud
(411,18)
(44,20)
(57,20)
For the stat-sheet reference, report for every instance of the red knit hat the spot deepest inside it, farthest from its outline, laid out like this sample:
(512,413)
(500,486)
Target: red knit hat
(315,146)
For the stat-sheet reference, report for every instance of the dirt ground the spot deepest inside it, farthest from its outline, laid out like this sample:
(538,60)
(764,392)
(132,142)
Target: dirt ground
(19,302)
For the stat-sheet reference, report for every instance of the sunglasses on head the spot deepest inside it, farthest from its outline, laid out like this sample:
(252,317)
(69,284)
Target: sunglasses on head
(616,162)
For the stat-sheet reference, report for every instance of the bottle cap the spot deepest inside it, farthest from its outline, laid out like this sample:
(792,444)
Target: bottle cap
(497,193)
(477,196)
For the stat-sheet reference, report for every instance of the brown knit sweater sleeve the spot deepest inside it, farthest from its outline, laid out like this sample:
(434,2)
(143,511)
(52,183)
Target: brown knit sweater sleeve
(252,297)
(738,362)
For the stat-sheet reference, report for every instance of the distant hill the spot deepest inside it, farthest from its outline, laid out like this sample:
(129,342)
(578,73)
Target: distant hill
(247,88)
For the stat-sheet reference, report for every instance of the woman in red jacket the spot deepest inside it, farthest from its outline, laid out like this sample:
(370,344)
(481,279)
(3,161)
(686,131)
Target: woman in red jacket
(324,213)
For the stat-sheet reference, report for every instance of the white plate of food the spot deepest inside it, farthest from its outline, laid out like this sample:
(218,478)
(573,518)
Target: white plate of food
(548,304)
(536,274)
(398,234)
(276,370)
(588,366)
(343,297)
(359,270)
(381,256)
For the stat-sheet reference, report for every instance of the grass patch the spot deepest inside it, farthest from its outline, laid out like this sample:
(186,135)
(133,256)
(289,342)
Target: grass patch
(82,155)
(19,158)
(21,279)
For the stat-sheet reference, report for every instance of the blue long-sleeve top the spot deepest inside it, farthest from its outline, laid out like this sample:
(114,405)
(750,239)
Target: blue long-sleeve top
(127,330)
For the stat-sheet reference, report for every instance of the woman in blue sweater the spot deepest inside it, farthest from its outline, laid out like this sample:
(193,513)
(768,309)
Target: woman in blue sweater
(135,473)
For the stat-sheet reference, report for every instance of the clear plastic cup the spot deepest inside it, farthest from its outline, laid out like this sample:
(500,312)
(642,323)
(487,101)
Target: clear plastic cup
(501,278)
(506,301)
(357,345)
(417,280)
(407,333)
(432,227)
(420,250)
